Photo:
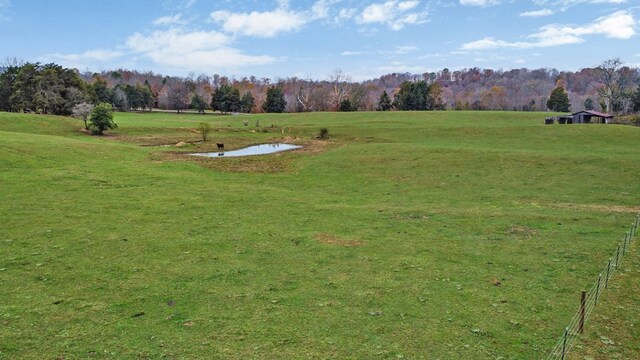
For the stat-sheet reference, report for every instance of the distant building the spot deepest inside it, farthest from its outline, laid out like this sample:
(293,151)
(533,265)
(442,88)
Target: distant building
(591,117)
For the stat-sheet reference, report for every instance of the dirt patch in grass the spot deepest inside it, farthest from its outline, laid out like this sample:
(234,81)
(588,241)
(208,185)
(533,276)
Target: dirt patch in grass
(602,208)
(522,231)
(329,239)
(186,135)
(272,163)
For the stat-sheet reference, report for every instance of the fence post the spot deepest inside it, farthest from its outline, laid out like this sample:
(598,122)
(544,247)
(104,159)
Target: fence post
(617,255)
(564,342)
(595,302)
(606,280)
(624,247)
(583,296)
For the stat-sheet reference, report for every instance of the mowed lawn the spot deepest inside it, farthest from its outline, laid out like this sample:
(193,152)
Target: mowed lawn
(418,235)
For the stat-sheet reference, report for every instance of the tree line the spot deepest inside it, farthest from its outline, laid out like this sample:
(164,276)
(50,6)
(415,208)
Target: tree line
(50,88)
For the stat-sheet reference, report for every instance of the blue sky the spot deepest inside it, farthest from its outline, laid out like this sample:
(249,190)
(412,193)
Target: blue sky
(312,38)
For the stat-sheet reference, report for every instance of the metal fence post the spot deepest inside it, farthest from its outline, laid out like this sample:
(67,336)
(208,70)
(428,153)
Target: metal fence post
(606,280)
(595,302)
(624,247)
(617,255)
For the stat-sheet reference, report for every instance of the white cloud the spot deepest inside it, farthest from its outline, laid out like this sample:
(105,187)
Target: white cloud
(564,5)
(344,14)
(90,58)
(576,2)
(619,25)
(395,14)
(353,53)
(322,8)
(405,49)
(170,20)
(400,67)
(537,13)
(479,2)
(91,55)
(260,24)
(195,50)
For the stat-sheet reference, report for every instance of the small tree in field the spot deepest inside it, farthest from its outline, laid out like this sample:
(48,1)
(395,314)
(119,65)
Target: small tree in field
(83,111)
(204,129)
(102,119)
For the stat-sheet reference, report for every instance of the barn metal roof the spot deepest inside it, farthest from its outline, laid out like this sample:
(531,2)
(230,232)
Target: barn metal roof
(594,113)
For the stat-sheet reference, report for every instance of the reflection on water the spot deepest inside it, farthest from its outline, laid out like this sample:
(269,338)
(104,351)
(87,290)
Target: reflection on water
(251,150)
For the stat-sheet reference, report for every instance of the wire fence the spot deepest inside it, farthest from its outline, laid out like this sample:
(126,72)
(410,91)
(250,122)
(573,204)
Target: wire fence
(589,299)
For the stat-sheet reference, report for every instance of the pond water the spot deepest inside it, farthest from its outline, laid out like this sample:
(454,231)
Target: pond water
(251,150)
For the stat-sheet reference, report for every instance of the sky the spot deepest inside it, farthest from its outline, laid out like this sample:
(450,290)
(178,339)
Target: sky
(311,39)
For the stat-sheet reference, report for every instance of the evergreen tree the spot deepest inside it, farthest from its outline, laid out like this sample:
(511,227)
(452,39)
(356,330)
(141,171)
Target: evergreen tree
(147,96)
(404,99)
(247,102)
(275,102)
(225,99)
(384,104)
(419,96)
(99,92)
(635,102)
(345,105)
(233,100)
(25,88)
(558,100)
(588,104)
(218,97)
(198,104)
(7,78)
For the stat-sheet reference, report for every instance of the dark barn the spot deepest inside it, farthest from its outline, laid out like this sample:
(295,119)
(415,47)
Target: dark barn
(591,117)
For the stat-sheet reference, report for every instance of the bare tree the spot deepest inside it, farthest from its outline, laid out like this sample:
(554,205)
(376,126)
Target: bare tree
(359,96)
(303,99)
(611,78)
(83,111)
(340,87)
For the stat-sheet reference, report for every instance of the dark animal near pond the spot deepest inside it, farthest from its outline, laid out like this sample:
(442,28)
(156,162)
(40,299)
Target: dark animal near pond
(220,146)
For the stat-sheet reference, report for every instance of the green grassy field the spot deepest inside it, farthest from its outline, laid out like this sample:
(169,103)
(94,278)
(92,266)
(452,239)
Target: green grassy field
(419,235)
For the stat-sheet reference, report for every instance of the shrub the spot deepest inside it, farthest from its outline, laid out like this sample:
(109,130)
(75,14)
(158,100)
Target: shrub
(204,129)
(323,134)
(102,119)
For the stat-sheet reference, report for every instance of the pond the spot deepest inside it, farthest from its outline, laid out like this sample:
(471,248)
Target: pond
(251,150)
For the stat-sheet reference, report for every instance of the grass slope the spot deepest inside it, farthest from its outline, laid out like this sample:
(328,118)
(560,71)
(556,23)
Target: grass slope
(388,243)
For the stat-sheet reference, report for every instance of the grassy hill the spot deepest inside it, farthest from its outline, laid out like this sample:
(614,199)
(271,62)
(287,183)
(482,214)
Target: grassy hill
(406,235)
